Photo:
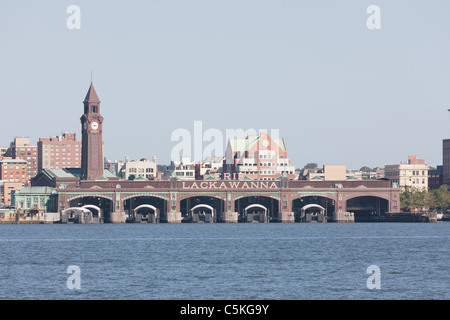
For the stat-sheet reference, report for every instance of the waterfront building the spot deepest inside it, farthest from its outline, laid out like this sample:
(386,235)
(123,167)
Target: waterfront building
(142,169)
(90,195)
(409,174)
(20,148)
(15,170)
(59,152)
(257,157)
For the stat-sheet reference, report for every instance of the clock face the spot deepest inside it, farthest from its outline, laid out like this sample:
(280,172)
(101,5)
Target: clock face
(94,125)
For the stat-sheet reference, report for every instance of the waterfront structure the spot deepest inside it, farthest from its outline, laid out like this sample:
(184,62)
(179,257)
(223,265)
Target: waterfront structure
(88,194)
(59,152)
(20,148)
(35,199)
(92,164)
(14,170)
(412,174)
(283,200)
(258,157)
(142,169)
(7,188)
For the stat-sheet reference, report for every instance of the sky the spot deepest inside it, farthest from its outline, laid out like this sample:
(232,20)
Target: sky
(337,91)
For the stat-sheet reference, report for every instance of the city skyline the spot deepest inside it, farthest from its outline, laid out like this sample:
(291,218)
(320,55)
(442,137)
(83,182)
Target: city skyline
(338,92)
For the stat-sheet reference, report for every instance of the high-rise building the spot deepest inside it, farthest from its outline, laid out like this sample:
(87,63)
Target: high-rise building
(446,161)
(14,170)
(92,161)
(20,148)
(59,152)
(257,157)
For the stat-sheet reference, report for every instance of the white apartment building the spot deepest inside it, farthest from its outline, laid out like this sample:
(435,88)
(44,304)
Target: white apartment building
(139,169)
(409,174)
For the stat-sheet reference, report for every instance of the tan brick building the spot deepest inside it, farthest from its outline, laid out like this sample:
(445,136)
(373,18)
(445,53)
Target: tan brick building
(59,152)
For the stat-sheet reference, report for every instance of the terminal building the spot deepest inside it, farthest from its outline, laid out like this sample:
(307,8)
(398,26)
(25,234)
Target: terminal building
(257,185)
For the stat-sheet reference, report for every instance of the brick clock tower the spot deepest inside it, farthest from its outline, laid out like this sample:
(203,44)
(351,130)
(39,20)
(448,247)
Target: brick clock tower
(91,141)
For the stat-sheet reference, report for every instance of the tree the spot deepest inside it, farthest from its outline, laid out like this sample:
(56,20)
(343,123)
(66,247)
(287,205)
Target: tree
(365,169)
(310,165)
(442,197)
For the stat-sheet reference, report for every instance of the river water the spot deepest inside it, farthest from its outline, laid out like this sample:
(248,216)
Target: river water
(225,261)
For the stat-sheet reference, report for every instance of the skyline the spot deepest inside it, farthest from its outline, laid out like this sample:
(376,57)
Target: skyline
(158,67)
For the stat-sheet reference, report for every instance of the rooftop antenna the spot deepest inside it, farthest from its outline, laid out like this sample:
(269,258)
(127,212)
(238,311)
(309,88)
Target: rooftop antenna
(91,80)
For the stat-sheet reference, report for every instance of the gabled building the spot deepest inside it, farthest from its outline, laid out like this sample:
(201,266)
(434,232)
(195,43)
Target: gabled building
(257,157)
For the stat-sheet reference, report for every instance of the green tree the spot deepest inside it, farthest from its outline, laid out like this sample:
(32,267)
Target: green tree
(442,197)
(365,169)
(310,165)
(429,199)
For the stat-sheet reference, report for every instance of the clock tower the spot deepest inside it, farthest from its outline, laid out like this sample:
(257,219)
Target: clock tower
(91,141)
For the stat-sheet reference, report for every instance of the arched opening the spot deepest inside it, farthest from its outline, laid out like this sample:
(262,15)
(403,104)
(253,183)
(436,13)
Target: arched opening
(367,208)
(144,209)
(77,215)
(201,209)
(266,211)
(100,207)
(146,213)
(313,209)
(256,213)
(97,213)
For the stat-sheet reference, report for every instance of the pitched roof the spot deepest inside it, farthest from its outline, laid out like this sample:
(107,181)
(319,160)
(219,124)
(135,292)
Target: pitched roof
(91,95)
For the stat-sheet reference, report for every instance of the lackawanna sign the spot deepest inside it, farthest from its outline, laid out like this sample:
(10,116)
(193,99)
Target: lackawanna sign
(230,184)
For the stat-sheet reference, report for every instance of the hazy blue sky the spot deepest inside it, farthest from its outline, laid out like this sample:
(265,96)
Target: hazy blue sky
(338,92)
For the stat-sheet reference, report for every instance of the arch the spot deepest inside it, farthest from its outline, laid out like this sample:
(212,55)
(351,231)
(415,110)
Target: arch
(144,194)
(201,194)
(331,196)
(89,196)
(69,210)
(371,194)
(146,206)
(77,214)
(255,205)
(239,195)
(213,211)
(367,207)
(100,211)
(313,205)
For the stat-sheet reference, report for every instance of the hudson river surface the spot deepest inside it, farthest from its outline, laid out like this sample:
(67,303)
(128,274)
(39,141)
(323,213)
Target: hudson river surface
(225,261)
